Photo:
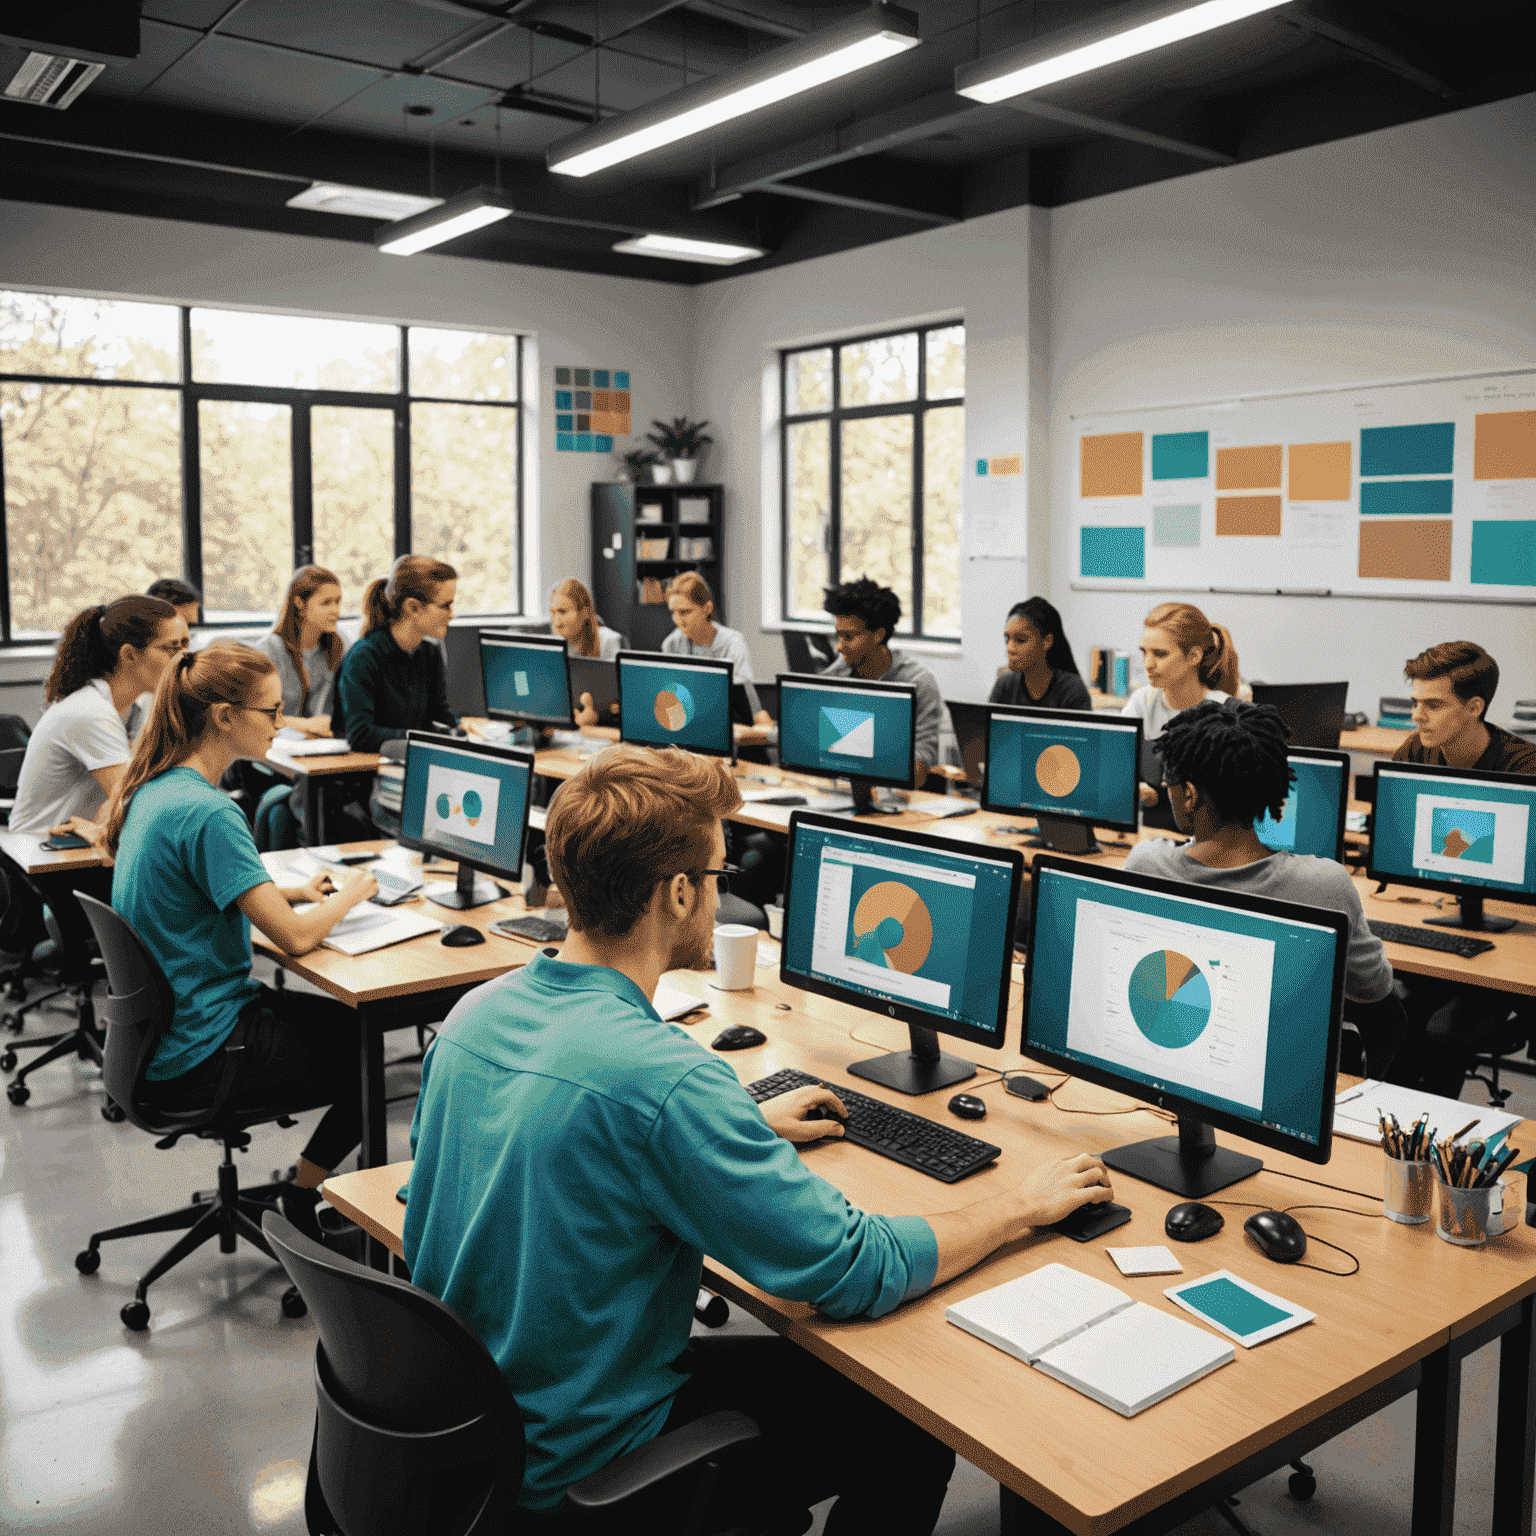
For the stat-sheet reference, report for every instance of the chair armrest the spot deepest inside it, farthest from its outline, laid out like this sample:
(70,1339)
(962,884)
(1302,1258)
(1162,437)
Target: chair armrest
(663,1457)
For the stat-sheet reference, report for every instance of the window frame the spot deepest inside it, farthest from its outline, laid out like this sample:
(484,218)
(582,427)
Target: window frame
(918,408)
(300,403)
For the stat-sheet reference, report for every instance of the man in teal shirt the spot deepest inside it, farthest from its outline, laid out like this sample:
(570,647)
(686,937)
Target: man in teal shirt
(576,1158)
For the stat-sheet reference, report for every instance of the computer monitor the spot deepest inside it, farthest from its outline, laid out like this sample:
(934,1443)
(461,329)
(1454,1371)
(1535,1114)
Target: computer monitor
(1073,770)
(466,800)
(676,701)
(1312,820)
(1459,830)
(1313,711)
(461,659)
(1223,1008)
(591,674)
(844,727)
(526,678)
(970,723)
(907,925)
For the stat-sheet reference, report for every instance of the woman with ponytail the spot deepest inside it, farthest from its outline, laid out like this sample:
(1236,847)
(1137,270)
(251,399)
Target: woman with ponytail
(1042,672)
(390,681)
(306,649)
(107,656)
(574,617)
(188,878)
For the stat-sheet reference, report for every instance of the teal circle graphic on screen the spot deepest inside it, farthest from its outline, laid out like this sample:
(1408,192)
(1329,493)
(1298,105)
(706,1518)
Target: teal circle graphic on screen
(1170,999)
(674,708)
(444,807)
(472,806)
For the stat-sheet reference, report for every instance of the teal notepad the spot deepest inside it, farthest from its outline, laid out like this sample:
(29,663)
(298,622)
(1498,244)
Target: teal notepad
(1238,1308)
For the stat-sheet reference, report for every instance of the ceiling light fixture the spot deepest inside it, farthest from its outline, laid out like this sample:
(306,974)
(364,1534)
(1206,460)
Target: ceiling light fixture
(680,248)
(447,221)
(1034,65)
(360,202)
(841,48)
(51,80)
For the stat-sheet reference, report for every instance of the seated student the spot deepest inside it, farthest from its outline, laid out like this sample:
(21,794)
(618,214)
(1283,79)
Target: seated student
(391,681)
(1226,766)
(1041,669)
(574,617)
(1453,684)
(185,599)
(188,878)
(576,1158)
(866,616)
(306,649)
(692,606)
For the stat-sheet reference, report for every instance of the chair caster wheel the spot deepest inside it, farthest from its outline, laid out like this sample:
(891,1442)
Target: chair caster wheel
(135,1315)
(294,1304)
(8,1061)
(88,1260)
(1302,1486)
(18,1093)
(114,1112)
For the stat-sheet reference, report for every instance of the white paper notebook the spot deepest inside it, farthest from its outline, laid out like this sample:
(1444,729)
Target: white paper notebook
(315,746)
(367,927)
(1354,1112)
(1092,1336)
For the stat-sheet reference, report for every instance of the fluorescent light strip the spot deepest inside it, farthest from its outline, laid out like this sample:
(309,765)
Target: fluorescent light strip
(750,98)
(679,248)
(443,231)
(1111,50)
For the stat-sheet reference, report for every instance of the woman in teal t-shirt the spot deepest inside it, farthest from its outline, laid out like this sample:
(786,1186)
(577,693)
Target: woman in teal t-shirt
(188,878)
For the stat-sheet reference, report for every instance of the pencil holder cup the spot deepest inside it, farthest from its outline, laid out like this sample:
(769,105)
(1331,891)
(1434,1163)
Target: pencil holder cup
(1410,1190)
(1467,1218)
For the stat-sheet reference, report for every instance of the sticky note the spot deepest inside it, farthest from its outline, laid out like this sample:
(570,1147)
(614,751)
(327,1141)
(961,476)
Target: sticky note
(1156,1260)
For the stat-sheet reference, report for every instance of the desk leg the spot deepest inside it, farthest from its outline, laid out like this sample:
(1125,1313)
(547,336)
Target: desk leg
(1514,1461)
(1436,1432)
(374,1151)
(314,808)
(1018,1517)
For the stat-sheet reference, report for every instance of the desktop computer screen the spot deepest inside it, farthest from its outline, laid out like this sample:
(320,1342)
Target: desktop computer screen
(844,727)
(1312,819)
(466,800)
(526,678)
(1224,1008)
(904,924)
(1072,769)
(676,701)
(1457,830)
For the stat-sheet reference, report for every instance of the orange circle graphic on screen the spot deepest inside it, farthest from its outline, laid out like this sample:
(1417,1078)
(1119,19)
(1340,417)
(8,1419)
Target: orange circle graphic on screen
(892,902)
(1057,771)
(673,708)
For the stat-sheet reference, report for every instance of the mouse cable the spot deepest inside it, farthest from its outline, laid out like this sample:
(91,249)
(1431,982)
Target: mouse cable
(1338,1189)
(1138,1109)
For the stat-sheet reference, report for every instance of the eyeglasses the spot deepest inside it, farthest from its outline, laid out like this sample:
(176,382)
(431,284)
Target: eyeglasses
(850,634)
(722,878)
(172,647)
(274,714)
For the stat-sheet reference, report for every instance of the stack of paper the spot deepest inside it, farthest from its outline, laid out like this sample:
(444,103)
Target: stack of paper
(1355,1111)
(315,746)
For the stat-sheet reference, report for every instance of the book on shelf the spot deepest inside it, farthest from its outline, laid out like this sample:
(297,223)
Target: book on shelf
(654,549)
(650,512)
(693,509)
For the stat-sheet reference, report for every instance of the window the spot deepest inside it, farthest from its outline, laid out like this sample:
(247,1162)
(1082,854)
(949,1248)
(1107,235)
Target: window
(873,443)
(146,440)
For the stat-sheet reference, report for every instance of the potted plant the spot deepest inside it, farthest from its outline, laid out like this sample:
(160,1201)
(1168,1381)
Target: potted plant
(679,443)
(632,465)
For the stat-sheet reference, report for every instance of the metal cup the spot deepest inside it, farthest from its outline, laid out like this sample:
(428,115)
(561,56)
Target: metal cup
(1410,1190)
(1467,1217)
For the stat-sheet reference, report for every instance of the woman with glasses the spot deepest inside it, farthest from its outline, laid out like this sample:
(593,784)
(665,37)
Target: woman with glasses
(188,878)
(392,682)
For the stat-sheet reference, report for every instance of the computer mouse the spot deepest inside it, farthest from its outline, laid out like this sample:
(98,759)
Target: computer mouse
(1279,1236)
(739,1037)
(461,936)
(968,1107)
(1190,1222)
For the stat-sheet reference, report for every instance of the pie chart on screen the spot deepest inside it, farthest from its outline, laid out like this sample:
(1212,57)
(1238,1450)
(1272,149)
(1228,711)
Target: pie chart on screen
(1170,999)
(892,927)
(674,707)
(1057,771)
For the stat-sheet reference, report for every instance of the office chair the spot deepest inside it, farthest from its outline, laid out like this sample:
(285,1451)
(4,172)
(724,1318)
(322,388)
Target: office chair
(416,1430)
(1525,719)
(807,653)
(11,759)
(138,1009)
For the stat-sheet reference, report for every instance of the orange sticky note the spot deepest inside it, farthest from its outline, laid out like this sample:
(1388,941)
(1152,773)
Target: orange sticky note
(1111,464)
(1406,549)
(1248,517)
(1504,446)
(1319,472)
(1248,469)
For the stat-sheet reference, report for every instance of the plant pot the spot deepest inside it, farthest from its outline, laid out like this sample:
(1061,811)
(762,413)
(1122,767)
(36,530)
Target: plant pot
(684,470)
(661,474)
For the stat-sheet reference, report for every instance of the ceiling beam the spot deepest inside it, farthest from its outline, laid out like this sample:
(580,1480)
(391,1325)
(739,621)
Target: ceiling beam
(814,194)
(776,20)
(1375,41)
(1111,128)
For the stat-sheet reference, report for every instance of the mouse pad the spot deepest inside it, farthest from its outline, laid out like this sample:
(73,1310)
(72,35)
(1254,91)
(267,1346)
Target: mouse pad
(1090,1221)
(1238,1308)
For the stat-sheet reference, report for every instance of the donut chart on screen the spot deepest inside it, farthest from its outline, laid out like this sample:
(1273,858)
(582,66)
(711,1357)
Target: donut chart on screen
(1057,771)
(1170,999)
(674,708)
(892,927)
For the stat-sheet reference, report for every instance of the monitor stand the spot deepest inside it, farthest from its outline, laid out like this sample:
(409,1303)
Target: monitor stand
(1470,916)
(470,890)
(1064,834)
(1189,1165)
(923,1069)
(867,800)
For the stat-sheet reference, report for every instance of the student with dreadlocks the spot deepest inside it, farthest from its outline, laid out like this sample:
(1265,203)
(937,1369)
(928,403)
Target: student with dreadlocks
(1225,766)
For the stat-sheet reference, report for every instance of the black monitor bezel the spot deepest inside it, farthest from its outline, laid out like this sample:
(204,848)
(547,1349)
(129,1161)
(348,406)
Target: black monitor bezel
(1074,717)
(851,681)
(1265,906)
(907,1013)
(430,739)
(1342,760)
(583,671)
(1444,883)
(693,663)
(542,642)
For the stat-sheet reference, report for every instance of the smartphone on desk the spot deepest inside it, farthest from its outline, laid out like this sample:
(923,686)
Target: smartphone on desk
(64,842)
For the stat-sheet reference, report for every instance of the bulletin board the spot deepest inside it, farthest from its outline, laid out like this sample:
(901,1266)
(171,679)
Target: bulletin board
(1416,489)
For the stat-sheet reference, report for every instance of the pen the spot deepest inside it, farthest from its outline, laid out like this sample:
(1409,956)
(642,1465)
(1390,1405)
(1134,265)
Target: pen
(1492,1175)
(1467,1127)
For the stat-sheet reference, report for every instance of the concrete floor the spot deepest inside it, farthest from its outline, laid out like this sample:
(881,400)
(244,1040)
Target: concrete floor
(202,1425)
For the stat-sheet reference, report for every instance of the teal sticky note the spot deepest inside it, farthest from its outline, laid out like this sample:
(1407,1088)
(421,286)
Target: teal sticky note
(1233,1307)
(981,466)
(1181,455)
(602,442)
(1409,498)
(1427,448)
(583,442)
(566,423)
(1504,554)
(621,379)
(599,378)
(563,399)
(1113,552)
(565,442)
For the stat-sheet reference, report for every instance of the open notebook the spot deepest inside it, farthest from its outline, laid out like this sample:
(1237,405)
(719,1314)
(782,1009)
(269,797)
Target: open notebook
(1091,1335)
(367,927)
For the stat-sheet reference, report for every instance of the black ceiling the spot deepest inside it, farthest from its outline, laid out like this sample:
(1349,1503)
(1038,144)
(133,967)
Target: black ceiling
(230,107)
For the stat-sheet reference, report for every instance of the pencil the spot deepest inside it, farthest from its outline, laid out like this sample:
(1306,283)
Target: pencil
(1467,1127)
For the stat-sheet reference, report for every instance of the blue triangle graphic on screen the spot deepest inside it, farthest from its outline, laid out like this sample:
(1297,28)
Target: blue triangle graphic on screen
(847,732)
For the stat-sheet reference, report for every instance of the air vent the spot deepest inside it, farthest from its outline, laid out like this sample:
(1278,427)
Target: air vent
(51,80)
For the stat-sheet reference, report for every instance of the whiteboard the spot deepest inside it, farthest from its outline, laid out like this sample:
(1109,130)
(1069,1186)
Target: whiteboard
(1424,488)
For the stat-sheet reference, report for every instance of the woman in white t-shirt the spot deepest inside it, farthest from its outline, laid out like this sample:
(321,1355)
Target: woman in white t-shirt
(107,657)
(574,617)
(692,606)
(1188,660)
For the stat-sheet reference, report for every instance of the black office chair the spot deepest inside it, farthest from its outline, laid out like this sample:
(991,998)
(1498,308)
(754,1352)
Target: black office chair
(138,1010)
(807,653)
(416,1430)
(1525,719)
(11,759)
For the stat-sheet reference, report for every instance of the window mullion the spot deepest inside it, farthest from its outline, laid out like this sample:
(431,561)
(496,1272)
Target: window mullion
(191,465)
(303,494)
(403,451)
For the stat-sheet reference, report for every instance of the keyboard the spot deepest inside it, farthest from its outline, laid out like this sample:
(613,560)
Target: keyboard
(1430,938)
(940,1151)
(540,929)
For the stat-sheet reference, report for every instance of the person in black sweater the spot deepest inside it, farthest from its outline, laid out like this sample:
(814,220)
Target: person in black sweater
(392,682)
(1041,670)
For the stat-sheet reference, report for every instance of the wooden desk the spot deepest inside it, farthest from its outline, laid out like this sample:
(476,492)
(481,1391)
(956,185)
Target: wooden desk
(25,850)
(1510,966)
(1402,1325)
(313,773)
(1377,740)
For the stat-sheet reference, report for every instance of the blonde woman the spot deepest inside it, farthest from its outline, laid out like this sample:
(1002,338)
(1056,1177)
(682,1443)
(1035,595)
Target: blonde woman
(306,649)
(575,619)
(692,606)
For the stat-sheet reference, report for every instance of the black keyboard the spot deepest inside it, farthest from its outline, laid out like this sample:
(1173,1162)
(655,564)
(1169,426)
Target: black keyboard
(940,1151)
(1430,938)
